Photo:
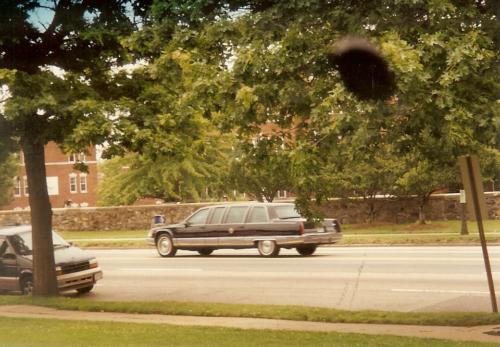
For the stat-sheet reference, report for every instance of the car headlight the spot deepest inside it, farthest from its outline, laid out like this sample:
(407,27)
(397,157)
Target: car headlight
(59,271)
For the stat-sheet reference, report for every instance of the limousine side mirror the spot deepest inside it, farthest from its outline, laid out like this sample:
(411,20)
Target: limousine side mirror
(10,256)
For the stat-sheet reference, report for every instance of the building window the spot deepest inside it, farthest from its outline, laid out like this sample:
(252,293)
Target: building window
(80,157)
(83,183)
(17,186)
(73,184)
(25,183)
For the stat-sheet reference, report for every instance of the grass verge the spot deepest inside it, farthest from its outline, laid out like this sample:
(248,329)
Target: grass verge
(50,332)
(432,227)
(297,313)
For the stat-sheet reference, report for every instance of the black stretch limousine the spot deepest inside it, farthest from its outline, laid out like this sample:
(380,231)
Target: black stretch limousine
(267,226)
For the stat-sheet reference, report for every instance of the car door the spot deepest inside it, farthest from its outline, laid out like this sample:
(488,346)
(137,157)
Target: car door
(257,223)
(9,276)
(233,226)
(195,231)
(215,227)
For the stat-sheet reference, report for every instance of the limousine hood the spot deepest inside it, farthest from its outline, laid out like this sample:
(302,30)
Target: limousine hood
(168,226)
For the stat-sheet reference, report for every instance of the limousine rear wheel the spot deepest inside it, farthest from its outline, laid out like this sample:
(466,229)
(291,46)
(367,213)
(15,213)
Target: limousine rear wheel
(165,246)
(268,248)
(205,251)
(306,250)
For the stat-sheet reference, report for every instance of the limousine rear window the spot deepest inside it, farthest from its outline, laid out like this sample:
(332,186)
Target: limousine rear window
(286,212)
(236,214)
(217,215)
(258,215)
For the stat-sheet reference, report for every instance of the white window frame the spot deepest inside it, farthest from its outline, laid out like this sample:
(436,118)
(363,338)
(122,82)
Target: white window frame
(17,187)
(25,186)
(82,157)
(73,181)
(83,184)
(72,158)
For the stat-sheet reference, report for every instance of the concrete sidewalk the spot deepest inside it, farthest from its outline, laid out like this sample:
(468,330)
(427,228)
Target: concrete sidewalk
(479,334)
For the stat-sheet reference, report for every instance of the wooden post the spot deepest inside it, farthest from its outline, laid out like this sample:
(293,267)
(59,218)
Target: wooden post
(471,177)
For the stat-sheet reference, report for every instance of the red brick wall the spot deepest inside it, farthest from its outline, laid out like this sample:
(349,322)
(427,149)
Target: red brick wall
(57,164)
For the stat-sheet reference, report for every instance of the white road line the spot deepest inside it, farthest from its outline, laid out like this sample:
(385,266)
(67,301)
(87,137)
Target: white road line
(159,269)
(441,291)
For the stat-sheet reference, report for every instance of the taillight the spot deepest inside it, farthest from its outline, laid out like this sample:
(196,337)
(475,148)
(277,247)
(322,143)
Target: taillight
(301,228)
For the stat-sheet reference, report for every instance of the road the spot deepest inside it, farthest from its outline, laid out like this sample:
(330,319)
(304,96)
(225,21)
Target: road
(382,278)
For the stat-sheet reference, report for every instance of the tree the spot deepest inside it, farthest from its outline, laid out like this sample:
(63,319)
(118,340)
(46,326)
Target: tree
(56,70)
(135,176)
(443,56)
(261,168)
(8,171)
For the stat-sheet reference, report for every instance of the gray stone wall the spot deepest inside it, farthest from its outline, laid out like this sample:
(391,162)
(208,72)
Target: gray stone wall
(387,210)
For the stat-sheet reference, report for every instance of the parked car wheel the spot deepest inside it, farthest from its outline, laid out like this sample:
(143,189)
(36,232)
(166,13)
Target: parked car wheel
(165,246)
(306,250)
(27,285)
(268,248)
(85,290)
(205,251)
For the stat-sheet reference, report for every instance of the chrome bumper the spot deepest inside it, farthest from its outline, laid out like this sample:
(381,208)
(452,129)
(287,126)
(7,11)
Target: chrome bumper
(313,238)
(79,279)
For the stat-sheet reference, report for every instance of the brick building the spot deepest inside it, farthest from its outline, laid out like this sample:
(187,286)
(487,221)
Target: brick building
(66,185)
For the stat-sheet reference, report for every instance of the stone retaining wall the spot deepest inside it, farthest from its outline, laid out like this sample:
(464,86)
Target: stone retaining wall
(440,207)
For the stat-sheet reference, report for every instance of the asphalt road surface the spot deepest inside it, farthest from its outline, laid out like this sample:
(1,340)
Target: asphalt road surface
(383,278)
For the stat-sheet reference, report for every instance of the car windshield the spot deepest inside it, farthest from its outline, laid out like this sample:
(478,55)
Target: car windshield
(287,212)
(23,243)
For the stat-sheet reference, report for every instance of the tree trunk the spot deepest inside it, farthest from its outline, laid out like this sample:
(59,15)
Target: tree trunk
(421,211)
(44,275)
(371,210)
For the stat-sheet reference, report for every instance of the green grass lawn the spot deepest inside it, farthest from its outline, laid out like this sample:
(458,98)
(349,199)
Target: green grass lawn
(440,232)
(288,312)
(432,227)
(103,234)
(17,332)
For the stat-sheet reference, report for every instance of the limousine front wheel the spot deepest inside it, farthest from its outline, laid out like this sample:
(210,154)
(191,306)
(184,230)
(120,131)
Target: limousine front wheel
(165,246)
(268,248)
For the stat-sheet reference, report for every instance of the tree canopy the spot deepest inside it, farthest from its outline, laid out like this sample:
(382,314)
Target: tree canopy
(444,59)
(55,59)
